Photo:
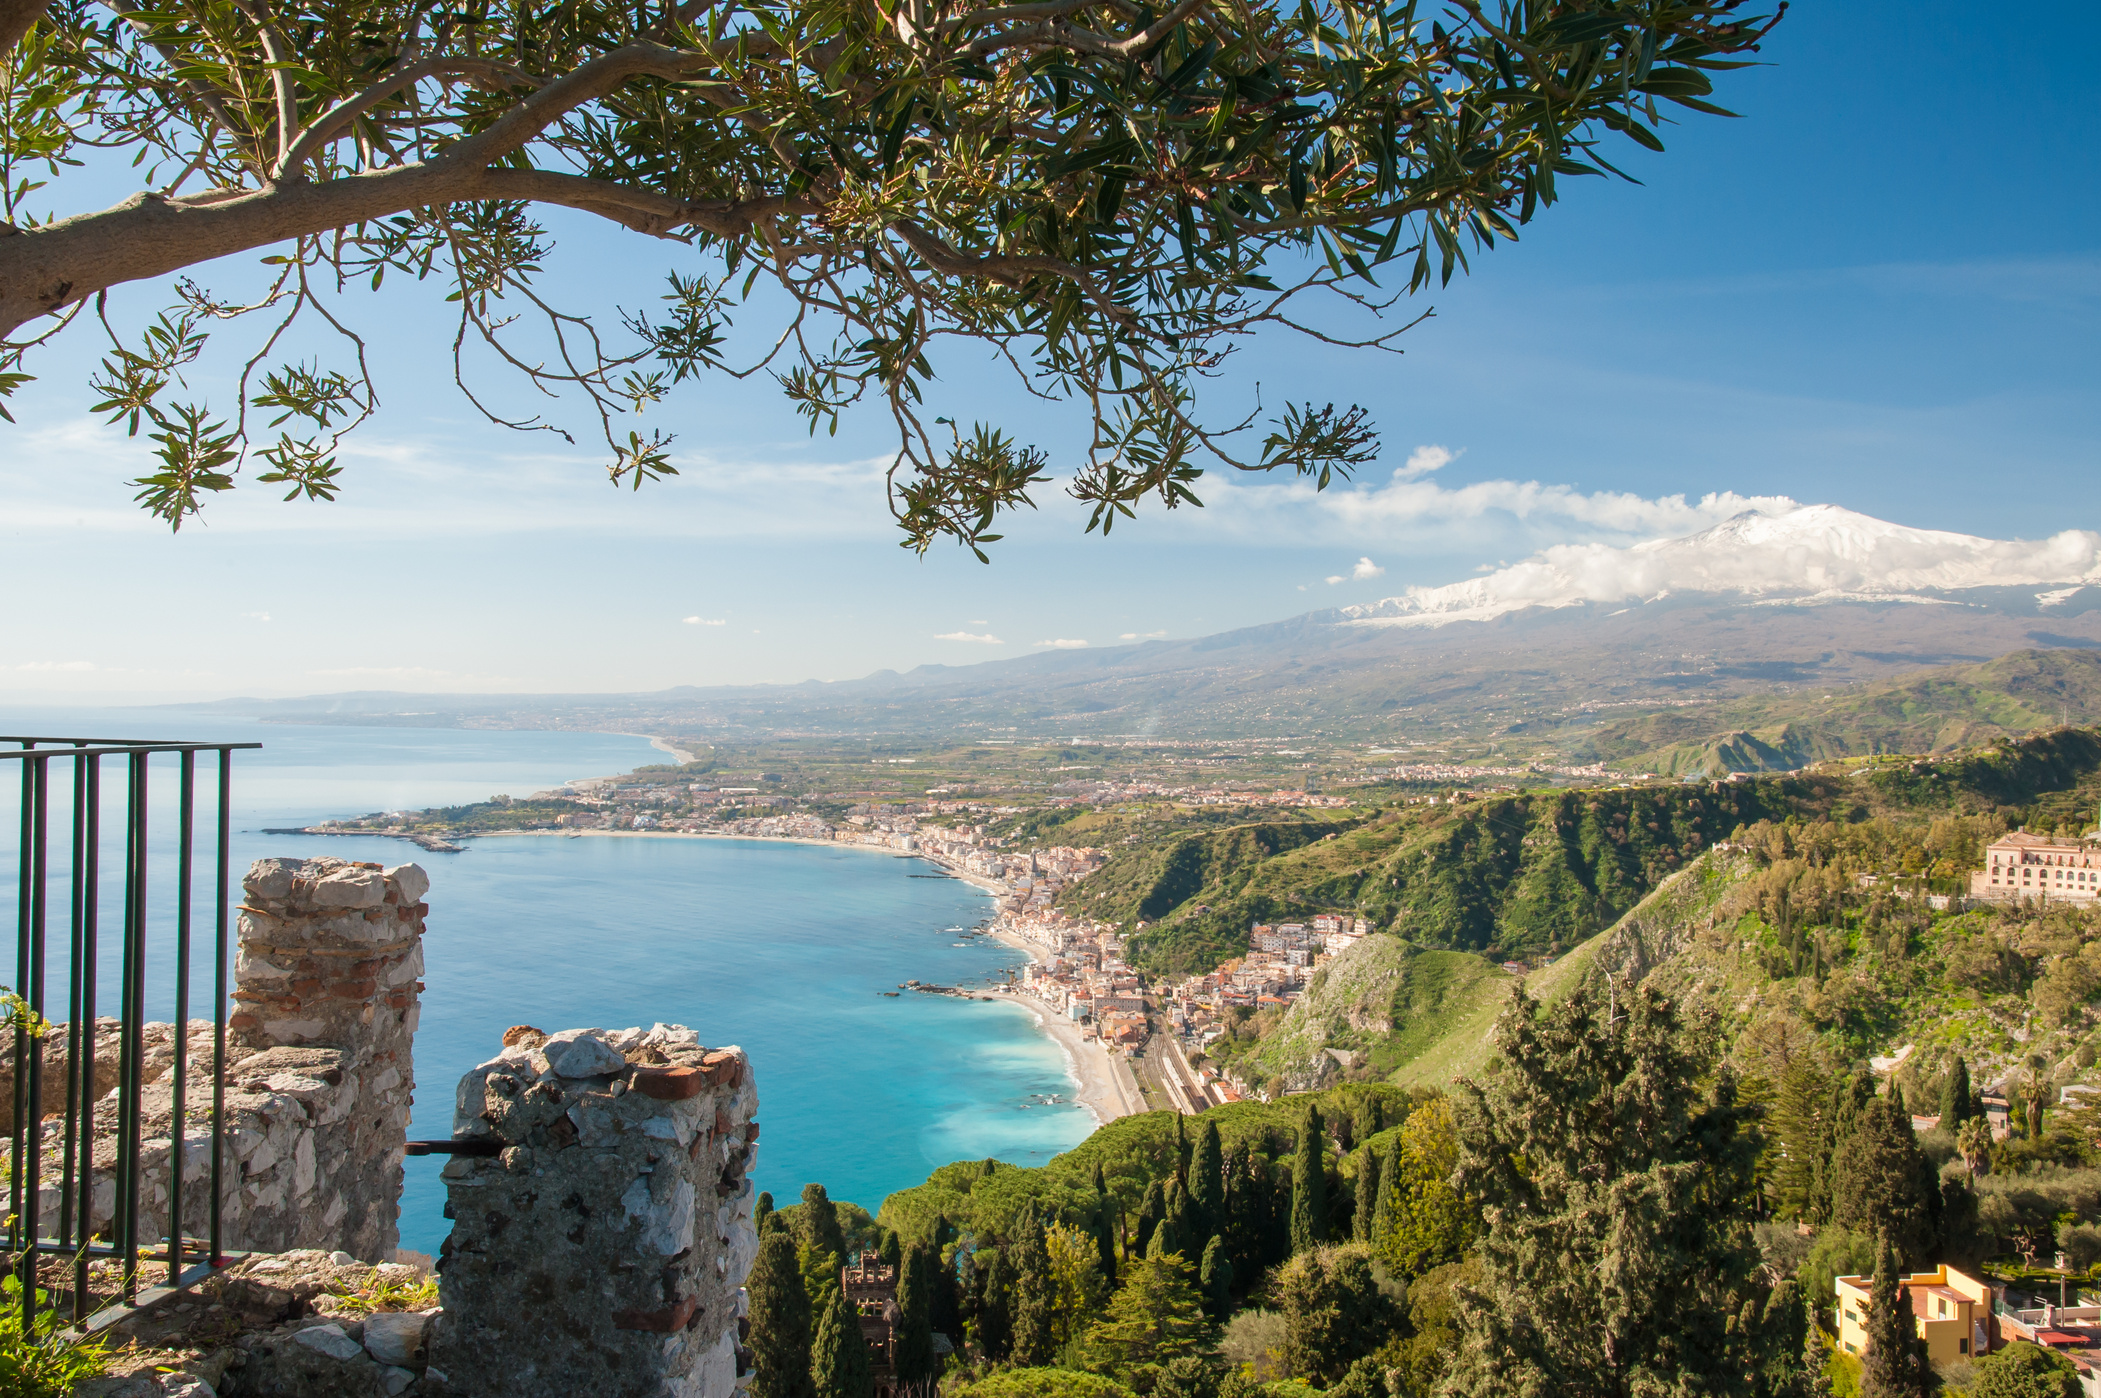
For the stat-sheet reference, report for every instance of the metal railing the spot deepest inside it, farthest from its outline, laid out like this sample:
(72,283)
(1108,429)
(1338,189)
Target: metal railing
(76,873)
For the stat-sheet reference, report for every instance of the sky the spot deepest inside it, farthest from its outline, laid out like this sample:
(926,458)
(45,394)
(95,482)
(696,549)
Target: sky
(1877,290)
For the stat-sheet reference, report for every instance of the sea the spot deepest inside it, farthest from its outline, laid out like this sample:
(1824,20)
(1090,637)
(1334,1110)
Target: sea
(785,949)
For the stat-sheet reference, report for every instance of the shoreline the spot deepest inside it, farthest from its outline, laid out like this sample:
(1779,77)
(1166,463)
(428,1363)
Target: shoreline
(1089,1065)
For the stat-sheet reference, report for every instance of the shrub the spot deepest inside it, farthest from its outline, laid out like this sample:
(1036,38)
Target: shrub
(1043,1383)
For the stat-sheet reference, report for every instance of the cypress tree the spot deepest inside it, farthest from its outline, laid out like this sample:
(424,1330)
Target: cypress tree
(1151,1210)
(1896,1099)
(780,1322)
(891,1252)
(1893,1366)
(839,1365)
(820,1223)
(1104,1227)
(1207,1183)
(762,1213)
(1882,1182)
(1216,1277)
(1309,1187)
(947,1308)
(1035,1295)
(1955,1096)
(1382,1210)
(1181,1149)
(995,1332)
(915,1322)
(1181,1235)
(1368,1179)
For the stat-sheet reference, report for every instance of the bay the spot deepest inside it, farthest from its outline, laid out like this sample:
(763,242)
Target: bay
(784,949)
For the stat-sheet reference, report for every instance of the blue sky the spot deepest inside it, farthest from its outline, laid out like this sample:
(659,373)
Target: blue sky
(1878,290)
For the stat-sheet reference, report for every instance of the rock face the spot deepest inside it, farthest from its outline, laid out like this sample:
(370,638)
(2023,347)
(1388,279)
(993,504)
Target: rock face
(617,1216)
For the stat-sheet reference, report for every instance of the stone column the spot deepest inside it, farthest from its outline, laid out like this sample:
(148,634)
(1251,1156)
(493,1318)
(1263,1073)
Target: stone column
(328,979)
(603,1248)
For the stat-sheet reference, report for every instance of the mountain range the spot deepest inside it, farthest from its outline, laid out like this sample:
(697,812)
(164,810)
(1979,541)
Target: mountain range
(1764,641)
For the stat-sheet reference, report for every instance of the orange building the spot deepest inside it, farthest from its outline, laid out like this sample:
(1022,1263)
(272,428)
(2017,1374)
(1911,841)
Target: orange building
(1952,1310)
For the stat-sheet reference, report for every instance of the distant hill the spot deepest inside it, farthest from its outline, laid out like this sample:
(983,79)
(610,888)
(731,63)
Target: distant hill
(1541,660)
(1934,711)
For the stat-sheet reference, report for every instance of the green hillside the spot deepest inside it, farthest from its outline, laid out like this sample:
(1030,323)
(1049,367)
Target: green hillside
(1933,711)
(1532,874)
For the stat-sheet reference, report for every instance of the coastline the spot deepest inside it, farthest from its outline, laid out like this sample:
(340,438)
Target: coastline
(1096,1084)
(1097,1087)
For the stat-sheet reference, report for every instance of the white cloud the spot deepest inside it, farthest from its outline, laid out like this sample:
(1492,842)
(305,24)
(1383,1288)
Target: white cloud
(1064,644)
(705,621)
(980,622)
(1797,554)
(1366,569)
(986,640)
(256,616)
(1425,459)
(1141,635)
(1333,579)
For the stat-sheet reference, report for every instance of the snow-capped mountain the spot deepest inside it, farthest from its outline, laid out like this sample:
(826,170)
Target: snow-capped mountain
(1814,554)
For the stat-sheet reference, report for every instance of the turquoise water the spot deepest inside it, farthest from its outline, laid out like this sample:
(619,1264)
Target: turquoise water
(780,948)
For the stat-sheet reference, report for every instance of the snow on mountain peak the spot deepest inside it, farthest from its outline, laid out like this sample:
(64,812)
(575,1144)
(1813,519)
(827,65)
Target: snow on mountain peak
(1815,553)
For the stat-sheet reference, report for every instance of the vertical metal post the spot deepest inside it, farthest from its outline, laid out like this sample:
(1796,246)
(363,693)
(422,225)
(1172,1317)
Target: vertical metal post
(79,1081)
(219,1001)
(90,930)
(133,1069)
(31,1009)
(179,1136)
(20,1105)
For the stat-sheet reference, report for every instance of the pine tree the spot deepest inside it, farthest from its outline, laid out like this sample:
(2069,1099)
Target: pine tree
(1207,1184)
(1367,1194)
(819,1224)
(1216,1278)
(1035,1294)
(1955,1096)
(839,1365)
(1309,1186)
(1155,1317)
(780,1322)
(995,1319)
(1618,1180)
(1797,1128)
(914,1350)
(1893,1366)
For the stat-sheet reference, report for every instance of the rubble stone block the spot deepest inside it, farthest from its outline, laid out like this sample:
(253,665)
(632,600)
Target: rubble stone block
(603,1219)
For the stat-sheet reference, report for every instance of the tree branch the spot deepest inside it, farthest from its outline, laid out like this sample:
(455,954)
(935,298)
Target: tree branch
(329,124)
(17,18)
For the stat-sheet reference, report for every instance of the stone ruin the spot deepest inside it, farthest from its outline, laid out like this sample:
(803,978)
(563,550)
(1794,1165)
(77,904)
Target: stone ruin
(600,1245)
(617,1215)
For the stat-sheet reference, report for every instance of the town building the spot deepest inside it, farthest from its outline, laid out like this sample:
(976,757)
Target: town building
(2047,868)
(1953,1312)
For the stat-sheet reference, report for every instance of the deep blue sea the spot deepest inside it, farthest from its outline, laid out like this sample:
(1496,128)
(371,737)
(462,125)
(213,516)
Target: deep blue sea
(781,948)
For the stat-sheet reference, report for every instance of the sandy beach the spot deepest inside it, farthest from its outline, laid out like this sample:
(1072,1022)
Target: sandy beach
(1097,1084)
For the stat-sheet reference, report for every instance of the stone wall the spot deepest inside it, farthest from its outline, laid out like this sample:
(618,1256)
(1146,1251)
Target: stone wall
(604,1249)
(319,1072)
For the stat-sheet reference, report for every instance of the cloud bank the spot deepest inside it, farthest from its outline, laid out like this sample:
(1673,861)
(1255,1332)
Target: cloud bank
(1801,553)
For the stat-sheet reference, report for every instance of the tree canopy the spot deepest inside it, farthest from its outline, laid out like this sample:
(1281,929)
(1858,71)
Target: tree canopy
(1104,196)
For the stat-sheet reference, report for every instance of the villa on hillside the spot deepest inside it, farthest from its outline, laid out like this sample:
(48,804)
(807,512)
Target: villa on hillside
(1960,1317)
(2042,867)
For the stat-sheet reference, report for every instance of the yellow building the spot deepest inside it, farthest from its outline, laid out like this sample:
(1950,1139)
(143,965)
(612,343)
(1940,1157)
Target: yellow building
(1953,1312)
